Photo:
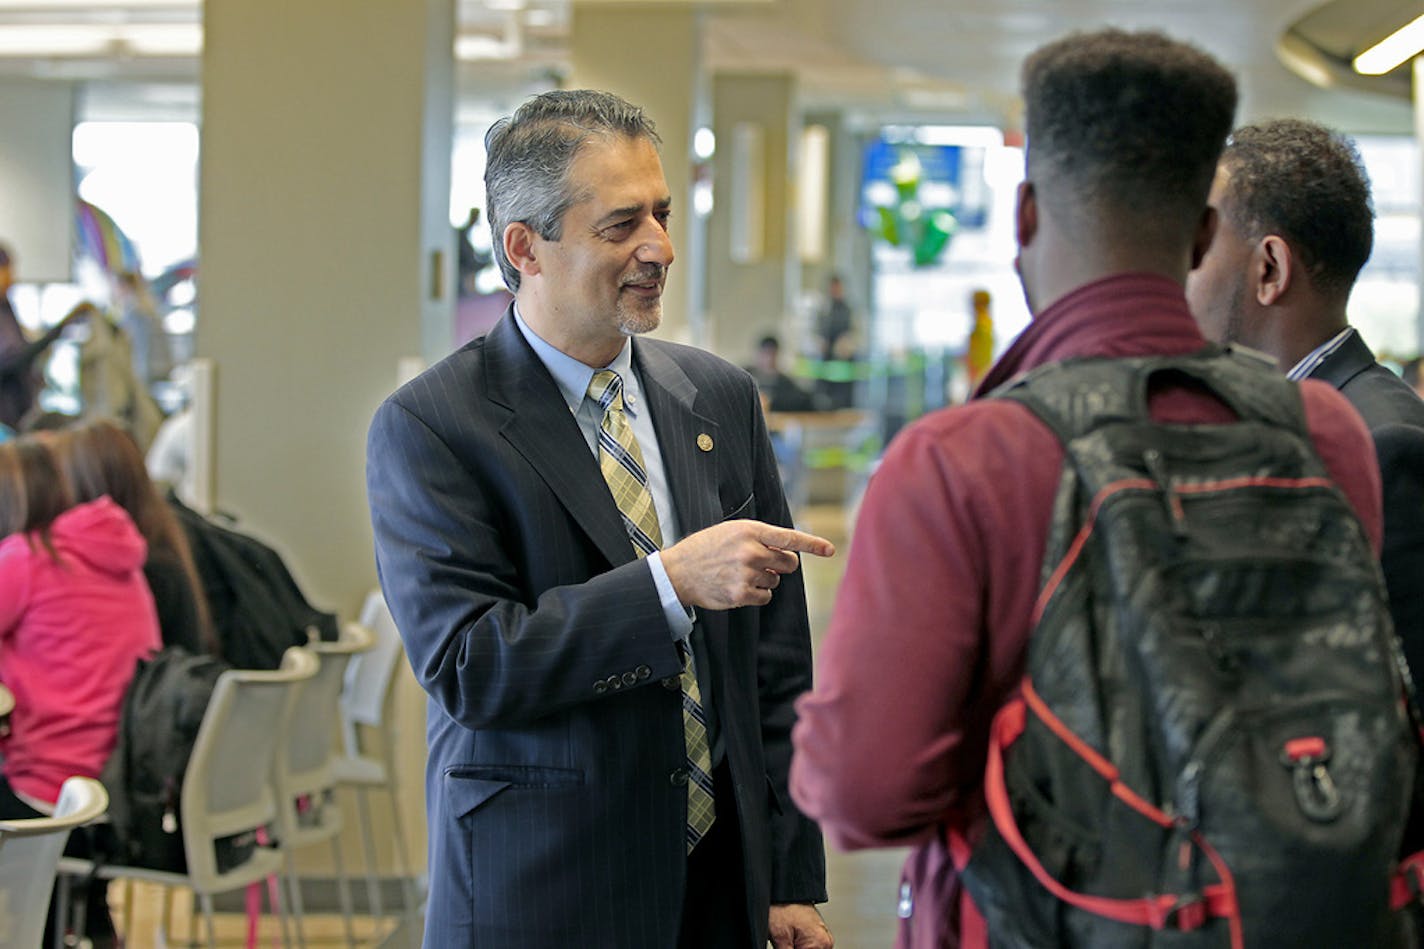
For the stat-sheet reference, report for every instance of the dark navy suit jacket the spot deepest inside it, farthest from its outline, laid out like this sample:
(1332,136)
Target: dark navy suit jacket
(554,724)
(1394,415)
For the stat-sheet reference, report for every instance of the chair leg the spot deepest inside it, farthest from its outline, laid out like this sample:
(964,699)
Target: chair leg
(165,920)
(128,915)
(368,850)
(343,890)
(61,910)
(207,901)
(279,903)
(410,897)
(294,888)
(192,918)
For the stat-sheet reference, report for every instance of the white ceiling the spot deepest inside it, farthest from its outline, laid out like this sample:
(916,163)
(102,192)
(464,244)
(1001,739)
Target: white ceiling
(943,59)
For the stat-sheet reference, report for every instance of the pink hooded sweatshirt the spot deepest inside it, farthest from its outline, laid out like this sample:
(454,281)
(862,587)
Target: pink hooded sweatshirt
(70,634)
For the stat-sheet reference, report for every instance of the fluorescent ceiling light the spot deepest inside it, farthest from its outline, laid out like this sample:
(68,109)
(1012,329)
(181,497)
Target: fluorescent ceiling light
(475,46)
(52,41)
(163,39)
(147,39)
(1403,44)
(49,5)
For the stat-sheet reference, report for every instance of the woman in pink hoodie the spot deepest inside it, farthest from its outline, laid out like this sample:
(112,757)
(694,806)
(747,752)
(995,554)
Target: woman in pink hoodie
(75,616)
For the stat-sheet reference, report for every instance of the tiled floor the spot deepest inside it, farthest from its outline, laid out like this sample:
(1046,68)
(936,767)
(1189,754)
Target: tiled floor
(145,924)
(863,886)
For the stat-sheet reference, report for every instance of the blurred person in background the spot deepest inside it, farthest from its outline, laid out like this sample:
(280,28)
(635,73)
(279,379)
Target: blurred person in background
(21,374)
(101,458)
(137,315)
(75,616)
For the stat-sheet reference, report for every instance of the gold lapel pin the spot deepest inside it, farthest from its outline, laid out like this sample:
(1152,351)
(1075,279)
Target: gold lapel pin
(704,441)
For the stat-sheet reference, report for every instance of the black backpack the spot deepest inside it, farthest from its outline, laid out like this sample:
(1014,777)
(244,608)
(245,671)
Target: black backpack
(162,709)
(1210,746)
(257,608)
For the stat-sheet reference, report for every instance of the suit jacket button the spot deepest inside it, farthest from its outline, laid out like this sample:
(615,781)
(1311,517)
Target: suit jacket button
(672,684)
(614,682)
(678,778)
(643,672)
(600,687)
(630,678)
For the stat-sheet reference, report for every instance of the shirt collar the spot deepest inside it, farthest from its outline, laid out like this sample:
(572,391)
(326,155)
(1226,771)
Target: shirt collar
(1319,354)
(571,375)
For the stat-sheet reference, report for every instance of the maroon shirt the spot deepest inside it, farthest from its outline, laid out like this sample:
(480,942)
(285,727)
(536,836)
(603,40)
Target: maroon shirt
(932,621)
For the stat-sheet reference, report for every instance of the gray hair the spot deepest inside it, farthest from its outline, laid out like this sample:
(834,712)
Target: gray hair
(529,154)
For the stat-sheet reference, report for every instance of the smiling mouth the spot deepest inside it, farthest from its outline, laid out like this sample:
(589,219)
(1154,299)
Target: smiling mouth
(643,286)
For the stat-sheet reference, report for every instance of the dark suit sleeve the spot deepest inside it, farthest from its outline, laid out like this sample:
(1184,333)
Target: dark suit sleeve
(784,673)
(1400,449)
(491,651)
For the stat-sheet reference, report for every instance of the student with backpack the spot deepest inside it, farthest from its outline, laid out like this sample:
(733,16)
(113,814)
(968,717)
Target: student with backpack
(75,617)
(1063,660)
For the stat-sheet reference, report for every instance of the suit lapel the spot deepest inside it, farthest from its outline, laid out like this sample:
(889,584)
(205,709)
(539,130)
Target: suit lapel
(541,428)
(682,434)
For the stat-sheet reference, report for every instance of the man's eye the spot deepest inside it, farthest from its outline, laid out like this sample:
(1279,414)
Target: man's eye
(663,217)
(619,227)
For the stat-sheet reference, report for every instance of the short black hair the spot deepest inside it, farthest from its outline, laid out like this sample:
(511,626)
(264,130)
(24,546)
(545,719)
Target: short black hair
(1307,184)
(1125,129)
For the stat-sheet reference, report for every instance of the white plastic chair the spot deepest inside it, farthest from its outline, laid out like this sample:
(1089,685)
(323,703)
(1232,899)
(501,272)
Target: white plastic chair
(305,777)
(228,789)
(365,702)
(29,855)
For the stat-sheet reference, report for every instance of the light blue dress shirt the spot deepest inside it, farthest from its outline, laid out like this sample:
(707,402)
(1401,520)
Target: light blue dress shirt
(573,378)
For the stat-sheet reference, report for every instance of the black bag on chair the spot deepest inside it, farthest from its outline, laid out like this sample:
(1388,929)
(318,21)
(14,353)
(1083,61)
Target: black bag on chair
(158,725)
(258,610)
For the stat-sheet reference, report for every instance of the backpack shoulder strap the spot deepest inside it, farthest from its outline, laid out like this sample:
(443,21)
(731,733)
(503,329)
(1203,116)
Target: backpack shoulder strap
(1076,396)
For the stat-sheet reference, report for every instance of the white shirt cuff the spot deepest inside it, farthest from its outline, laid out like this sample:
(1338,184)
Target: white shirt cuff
(679,617)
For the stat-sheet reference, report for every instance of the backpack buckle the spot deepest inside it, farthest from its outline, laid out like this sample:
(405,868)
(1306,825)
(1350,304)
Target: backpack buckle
(1188,914)
(1315,792)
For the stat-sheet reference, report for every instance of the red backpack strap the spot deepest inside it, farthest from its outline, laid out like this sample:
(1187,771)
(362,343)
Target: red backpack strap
(1407,883)
(1185,913)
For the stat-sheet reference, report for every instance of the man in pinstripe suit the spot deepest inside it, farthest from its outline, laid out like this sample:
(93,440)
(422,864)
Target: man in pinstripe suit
(578,648)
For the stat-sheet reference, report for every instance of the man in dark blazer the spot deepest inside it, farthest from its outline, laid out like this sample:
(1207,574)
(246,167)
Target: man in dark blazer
(1295,225)
(563,665)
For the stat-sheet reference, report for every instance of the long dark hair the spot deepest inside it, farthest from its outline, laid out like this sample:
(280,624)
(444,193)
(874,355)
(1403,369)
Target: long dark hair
(101,458)
(32,492)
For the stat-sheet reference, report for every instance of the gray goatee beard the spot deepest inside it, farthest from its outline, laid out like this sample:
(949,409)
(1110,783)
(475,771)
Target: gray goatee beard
(636,316)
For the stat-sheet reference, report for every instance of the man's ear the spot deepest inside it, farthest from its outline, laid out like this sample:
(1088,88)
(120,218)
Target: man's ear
(1272,269)
(1206,230)
(519,241)
(1026,214)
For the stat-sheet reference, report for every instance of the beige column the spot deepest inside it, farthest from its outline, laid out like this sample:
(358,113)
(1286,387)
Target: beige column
(752,270)
(651,57)
(326,255)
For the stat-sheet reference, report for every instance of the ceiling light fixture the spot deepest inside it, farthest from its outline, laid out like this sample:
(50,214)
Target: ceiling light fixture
(1398,47)
(93,39)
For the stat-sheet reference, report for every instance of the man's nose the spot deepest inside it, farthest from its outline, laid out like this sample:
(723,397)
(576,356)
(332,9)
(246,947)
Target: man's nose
(656,246)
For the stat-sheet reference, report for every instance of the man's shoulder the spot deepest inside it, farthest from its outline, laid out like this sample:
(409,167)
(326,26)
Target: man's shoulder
(459,370)
(704,370)
(689,357)
(1383,398)
(988,433)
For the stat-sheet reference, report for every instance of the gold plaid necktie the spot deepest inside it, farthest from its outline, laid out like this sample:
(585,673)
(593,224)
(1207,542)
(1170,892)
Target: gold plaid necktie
(622,464)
